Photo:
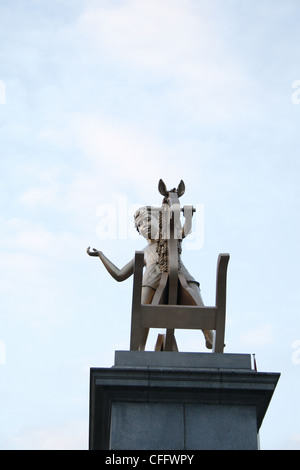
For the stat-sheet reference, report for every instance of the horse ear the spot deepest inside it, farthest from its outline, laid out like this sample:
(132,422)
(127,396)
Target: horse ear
(162,188)
(181,188)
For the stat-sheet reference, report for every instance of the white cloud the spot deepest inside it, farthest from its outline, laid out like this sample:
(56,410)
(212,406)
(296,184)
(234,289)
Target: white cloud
(171,41)
(117,154)
(161,37)
(118,149)
(143,33)
(74,194)
(39,196)
(32,262)
(23,236)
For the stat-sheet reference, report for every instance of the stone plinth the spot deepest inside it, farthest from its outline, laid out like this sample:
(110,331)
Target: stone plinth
(178,401)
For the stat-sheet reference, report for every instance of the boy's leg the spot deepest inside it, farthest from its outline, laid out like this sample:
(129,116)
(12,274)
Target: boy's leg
(147,296)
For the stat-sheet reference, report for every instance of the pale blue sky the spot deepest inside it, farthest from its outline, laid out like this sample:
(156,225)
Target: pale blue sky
(103,98)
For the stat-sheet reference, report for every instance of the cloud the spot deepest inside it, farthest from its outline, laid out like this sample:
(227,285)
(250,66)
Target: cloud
(20,235)
(116,154)
(31,266)
(164,38)
(171,42)
(70,194)
(119,149)
(39,196)
(154,36)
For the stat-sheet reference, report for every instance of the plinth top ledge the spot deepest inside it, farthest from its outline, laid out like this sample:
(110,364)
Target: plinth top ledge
(179,360)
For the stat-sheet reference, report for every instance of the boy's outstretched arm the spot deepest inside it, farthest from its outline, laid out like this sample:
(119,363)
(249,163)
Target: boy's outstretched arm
(118,274)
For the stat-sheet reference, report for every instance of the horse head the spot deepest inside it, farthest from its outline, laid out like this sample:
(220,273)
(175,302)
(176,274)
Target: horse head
(162,188)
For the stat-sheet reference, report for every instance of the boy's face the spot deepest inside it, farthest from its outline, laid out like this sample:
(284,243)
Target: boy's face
(144,226)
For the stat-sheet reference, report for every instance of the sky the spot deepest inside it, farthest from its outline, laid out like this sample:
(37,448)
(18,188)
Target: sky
(98,101)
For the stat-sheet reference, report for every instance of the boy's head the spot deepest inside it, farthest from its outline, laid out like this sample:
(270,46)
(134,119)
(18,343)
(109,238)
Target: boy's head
(146,220)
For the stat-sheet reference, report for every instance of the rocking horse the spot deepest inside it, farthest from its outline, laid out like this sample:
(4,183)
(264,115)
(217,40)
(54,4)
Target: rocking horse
(175,304)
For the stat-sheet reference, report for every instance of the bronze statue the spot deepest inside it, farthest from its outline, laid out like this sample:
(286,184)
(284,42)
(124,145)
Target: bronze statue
(162,229)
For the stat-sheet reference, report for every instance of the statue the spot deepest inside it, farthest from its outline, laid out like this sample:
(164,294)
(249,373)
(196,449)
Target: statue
(162,229)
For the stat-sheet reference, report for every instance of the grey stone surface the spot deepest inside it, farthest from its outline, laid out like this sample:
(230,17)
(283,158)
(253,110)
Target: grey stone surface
(166,359)
(225,427)
(178,408)
(166,426)
(146,426)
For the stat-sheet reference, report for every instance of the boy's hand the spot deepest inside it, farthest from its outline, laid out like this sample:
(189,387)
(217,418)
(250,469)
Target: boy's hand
(92,253)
